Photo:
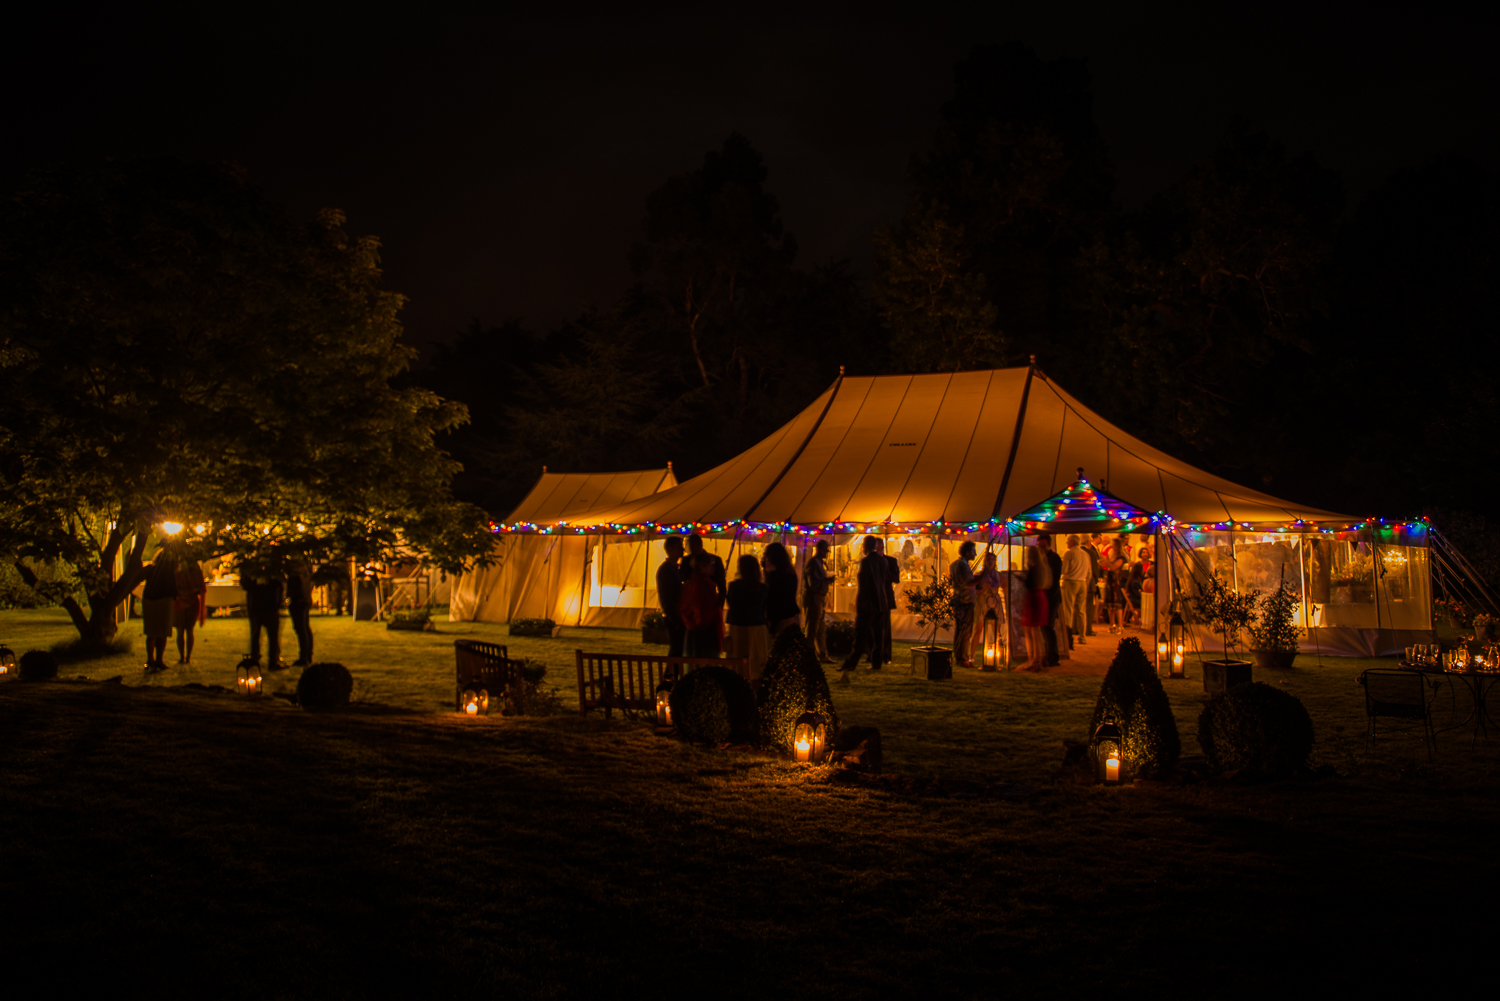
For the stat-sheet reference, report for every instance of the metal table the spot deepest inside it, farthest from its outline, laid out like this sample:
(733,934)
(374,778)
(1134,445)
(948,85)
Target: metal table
(1478,683)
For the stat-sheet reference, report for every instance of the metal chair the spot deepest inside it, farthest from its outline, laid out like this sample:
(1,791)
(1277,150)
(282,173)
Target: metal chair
(1397,694)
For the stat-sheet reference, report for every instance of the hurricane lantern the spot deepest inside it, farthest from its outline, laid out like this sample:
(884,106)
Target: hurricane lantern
(810,738)
(476,702)
(1177,644)
(7,660)
(247,679)
(1108,747)
(991,640)
(664,703)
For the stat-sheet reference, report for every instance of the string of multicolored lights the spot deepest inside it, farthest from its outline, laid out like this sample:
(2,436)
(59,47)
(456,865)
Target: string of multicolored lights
(1018,525)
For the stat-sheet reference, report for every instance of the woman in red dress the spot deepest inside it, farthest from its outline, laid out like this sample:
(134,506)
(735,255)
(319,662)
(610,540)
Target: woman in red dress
(1035,613)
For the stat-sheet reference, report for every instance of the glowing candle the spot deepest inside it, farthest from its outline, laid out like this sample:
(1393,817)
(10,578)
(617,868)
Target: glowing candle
(1112,768)
(804,750)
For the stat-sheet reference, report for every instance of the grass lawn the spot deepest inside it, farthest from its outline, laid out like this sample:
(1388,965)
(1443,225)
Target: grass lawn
(181,841)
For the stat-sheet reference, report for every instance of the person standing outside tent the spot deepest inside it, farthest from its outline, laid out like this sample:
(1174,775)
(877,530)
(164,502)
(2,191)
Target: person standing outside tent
(1114,585)
(299,588)
(815,585)
(669,593)
(1095,555)
(158,598)
(264,590)
(702,610)
(964,594)
(1078,573)
(892,576)
(1056,653)
(870,606)
(190,607)
(747,615)
(781,589)
(1034,609)
(989,583)
(720,577)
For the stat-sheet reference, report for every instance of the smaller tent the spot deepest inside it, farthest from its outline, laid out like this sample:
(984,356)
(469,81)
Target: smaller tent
(560,577)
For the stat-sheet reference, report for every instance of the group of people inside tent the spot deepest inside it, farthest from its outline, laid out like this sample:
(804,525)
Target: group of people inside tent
(1061,593)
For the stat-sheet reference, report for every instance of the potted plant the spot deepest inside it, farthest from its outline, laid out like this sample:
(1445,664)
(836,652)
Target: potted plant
(654,629)
(1484,628)
(933,607)
(1227,613)
(1274,634)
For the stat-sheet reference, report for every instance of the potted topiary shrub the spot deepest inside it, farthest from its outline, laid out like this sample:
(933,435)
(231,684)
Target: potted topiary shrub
(933,607)
(1132,698)
(1227,612)
(654,629)
(415,619)
(1273,632)
(1257,729)
(324,687)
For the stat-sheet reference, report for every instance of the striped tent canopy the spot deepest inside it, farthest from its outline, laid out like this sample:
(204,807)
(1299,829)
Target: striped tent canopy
(1082,507)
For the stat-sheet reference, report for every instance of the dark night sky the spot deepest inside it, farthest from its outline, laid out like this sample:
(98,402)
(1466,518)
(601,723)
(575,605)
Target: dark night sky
(504,159)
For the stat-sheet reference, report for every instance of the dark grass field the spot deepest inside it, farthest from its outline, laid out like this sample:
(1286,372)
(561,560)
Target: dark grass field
(163,841)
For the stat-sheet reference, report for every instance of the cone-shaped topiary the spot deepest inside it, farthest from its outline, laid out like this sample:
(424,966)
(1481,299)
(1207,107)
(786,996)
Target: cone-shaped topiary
(712,705)
(37,665)
(1132,698)
(324,686)
(1256,728)
(792,684)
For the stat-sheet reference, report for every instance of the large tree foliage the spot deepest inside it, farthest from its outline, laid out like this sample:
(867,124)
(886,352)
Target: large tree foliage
(718,341)
(1014,190)
(171,348)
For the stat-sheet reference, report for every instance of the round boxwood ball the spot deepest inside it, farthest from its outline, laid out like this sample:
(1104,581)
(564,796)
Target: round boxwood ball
(713,705)
(324,686)
(1256,728)
(37,665)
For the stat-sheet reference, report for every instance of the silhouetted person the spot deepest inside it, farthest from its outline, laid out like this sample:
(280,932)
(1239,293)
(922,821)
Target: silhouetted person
(157,600)
(781,589)
(871,602)
(747,615)
(264,590)
(718,574)
(965,591)
(669,594)
(1054,598)
(299,588)
(189,609)
(702,610)
(892,576)
(815,585)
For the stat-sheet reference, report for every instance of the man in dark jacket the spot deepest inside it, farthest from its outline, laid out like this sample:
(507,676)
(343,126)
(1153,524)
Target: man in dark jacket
(871,602)
(264,590)
(721,579)
(299,588)
(892,576)
(1054,597)
(669,594)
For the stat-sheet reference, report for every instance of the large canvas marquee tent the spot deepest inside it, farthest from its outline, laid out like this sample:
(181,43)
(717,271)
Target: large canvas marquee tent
(926,461)
(553,576)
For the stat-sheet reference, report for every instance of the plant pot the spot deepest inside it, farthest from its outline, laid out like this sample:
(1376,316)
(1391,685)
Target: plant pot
(1484,634)
(1222,675)
(658,636)
(1279,660)
(936,662)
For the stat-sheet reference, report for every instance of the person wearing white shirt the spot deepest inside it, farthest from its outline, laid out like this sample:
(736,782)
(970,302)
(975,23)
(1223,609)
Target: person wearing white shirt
(1078,573)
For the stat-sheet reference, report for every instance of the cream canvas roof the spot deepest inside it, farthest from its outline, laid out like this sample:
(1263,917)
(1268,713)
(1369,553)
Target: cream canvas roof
(963,447)
(564,496)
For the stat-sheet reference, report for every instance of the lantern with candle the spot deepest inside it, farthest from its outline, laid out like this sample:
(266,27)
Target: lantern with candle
(1108,748)
(475,702)
(1177,645)
(247,678)
(664,703)
(7,660)
(991,639)
(810,738)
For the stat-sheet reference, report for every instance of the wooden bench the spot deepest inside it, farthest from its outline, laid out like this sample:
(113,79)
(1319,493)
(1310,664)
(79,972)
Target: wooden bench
(612,681)
(482,665)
